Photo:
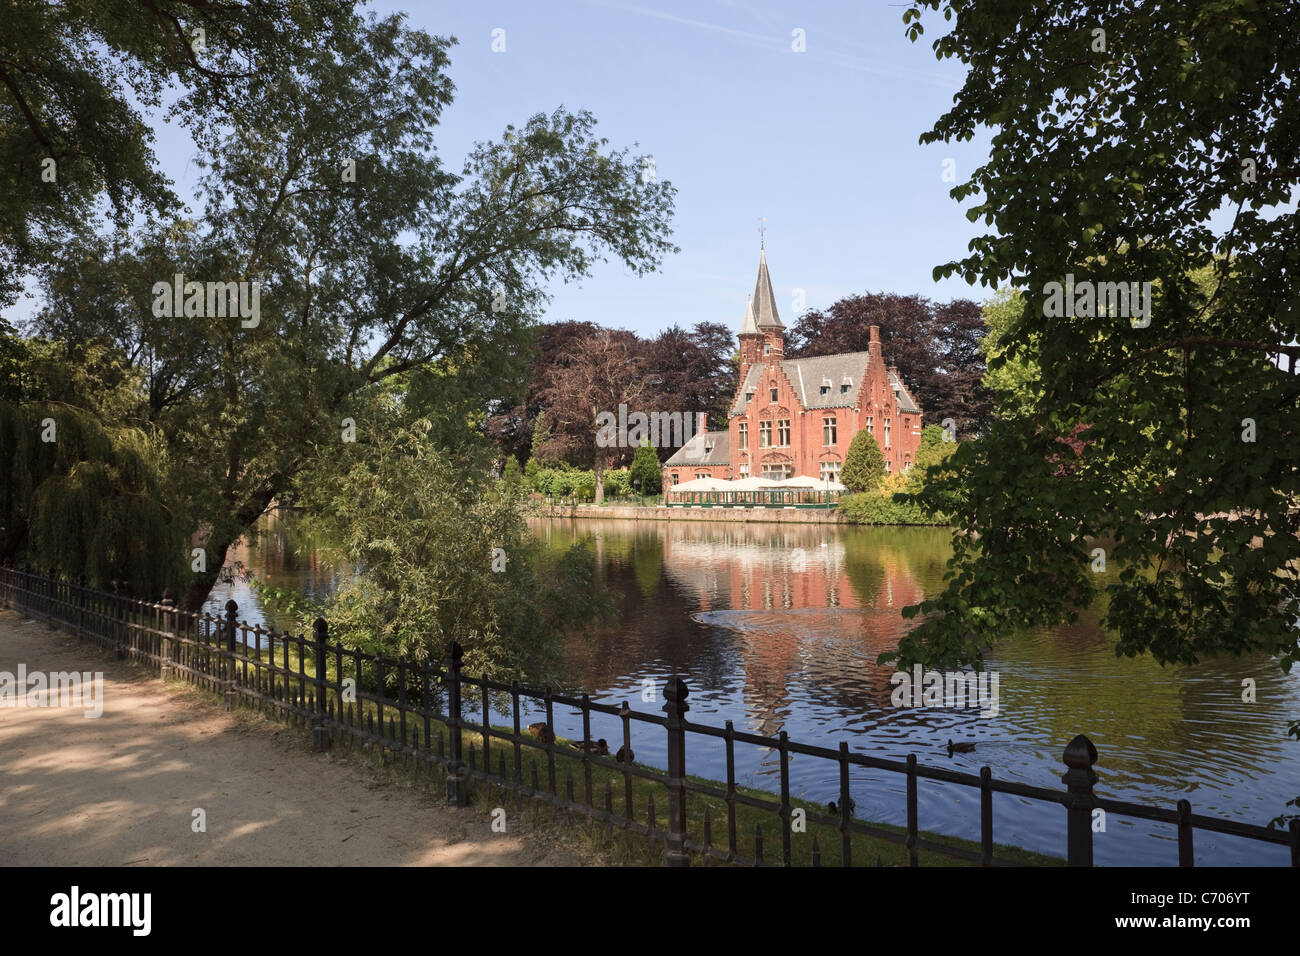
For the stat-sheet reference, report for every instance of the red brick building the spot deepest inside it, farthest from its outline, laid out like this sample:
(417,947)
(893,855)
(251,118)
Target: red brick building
(796,417)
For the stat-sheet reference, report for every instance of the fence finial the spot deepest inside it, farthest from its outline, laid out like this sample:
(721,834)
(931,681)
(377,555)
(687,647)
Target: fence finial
(1079,756)
(675,706)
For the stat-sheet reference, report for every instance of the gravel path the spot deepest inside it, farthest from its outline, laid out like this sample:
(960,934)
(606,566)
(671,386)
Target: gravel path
(121,789)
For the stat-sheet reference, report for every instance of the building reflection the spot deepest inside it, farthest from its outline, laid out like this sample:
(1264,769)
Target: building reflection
(784,609)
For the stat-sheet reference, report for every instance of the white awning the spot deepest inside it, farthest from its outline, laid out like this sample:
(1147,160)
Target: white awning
(702,484)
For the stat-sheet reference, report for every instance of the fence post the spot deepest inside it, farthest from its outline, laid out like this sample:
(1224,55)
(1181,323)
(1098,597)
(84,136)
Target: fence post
(228,672)
(675,707)
(1079,756)
(52,592)
(456,765)
(81,606)
(165,641)
(319,732)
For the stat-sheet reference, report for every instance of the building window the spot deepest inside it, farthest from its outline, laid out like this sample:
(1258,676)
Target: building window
(765,434)
(773,392)
(783,432)
(674,477)
(742,435)
(744,471)
(767,348)
(749,396)
(830,471)
(828,431)
(887,466)
(702,474)
(844,388)
(776,472)
(886,432)
(826,390)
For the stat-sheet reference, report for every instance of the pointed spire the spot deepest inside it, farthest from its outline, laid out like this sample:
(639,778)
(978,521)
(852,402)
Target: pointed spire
(764,301)
(748,327)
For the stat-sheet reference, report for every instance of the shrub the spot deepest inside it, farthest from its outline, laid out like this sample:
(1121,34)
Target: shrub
(864,465)
(880,507)
(512,475)
(618,483)
(646,472)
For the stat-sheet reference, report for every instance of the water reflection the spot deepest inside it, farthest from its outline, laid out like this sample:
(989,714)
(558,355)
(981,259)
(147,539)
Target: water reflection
(777,628)
(278,554)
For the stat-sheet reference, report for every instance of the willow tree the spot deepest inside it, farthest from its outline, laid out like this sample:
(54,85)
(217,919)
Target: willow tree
(1131,143)
(372,260)
(84,500)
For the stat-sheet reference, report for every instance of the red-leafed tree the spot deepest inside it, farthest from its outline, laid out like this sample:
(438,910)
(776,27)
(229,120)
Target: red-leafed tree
(600,372)
(935,347)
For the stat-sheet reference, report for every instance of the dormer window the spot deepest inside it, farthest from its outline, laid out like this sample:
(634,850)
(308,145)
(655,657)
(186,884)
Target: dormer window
(749,396)
(826,386)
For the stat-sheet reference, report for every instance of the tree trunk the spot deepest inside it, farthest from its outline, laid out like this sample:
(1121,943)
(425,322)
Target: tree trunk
(220,543)
(599,471)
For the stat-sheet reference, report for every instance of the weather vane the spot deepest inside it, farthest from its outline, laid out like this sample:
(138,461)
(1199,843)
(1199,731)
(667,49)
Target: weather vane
(762,228)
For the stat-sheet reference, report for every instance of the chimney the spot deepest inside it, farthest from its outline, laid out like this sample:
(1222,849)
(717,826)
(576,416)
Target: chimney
(874,346)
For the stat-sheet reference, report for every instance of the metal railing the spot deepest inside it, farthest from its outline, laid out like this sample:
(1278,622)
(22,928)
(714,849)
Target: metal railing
(417,710)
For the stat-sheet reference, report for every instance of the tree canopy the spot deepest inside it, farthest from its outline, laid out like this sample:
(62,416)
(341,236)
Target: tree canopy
(1133,143)
(77,78)
(377,267)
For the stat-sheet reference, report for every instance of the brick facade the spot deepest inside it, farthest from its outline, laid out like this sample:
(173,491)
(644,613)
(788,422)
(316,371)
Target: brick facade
(796,417)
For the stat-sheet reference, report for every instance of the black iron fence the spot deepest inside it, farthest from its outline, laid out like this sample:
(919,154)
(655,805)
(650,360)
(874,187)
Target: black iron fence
(420,711)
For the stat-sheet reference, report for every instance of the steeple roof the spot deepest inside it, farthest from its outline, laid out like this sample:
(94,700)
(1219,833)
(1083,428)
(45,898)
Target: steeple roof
(764,301)
(748,327)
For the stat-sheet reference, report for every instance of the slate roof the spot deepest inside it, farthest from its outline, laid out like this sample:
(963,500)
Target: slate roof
(764,301)
(694,451)
(807,375)
(905,402)
(748,327)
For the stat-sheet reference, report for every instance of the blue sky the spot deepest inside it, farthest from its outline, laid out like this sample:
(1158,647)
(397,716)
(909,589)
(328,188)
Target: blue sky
(822,143)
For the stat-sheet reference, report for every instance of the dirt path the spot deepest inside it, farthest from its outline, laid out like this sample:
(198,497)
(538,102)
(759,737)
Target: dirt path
(121,788)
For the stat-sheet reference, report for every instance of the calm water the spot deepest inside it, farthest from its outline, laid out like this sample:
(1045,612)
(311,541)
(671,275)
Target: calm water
(777,627)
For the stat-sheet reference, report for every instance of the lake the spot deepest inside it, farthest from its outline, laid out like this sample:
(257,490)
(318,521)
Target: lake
(777,627)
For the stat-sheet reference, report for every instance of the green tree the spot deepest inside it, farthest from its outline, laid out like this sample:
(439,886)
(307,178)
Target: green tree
(646,474)
(932,435)
(864,465)
(447,557)
(76,80)
(77,498)
(512,474)
(377,268)
(1120,132)
(1012,378)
